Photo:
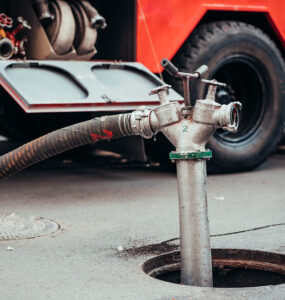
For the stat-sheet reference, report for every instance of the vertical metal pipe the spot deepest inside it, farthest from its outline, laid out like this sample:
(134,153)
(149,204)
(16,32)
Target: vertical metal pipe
(186,89)
(196,260)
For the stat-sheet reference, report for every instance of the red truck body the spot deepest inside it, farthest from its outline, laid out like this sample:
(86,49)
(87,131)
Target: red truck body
(163,26)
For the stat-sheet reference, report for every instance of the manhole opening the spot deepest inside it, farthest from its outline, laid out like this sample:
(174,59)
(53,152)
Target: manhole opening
(232,268)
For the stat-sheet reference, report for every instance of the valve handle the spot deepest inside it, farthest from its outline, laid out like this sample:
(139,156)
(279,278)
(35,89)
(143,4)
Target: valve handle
(214,82)
(173,70)
(161,88)
(5,21)
(24,23)
(169,67)
(201,70)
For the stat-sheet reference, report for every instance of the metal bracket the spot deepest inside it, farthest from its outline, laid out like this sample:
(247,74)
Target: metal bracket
(191,155)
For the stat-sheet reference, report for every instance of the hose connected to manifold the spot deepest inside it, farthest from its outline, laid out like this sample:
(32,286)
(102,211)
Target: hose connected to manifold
(56,142)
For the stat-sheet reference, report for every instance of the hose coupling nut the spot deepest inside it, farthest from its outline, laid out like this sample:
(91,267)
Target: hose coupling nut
(228,116)
(221,116)
(140,122)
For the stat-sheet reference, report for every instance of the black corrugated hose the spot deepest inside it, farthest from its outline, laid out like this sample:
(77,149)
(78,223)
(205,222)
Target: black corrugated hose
(51,144)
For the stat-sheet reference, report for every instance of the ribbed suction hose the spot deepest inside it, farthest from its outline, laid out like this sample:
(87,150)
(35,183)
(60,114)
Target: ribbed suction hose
(104,128)
(6,49)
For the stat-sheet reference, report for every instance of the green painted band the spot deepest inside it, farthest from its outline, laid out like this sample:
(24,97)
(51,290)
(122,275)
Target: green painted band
(191,155)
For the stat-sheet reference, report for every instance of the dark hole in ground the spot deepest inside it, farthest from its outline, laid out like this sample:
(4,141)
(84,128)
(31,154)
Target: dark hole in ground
(232,268)
(233,277)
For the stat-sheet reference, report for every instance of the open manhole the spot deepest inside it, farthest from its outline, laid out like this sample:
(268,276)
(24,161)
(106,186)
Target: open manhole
(232,268)
(14,227)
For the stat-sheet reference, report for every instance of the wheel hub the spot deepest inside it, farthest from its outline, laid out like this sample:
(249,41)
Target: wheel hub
(225,95)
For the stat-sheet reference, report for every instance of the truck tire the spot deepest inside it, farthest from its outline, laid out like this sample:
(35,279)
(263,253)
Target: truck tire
(245,58)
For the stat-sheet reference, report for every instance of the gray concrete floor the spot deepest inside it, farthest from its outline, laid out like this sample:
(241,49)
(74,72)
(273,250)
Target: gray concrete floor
(103,207)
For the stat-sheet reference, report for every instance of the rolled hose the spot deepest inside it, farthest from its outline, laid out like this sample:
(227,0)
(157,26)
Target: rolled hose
(56,142)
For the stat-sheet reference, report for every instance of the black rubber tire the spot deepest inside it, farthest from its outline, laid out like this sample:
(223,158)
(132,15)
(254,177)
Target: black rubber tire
(255,72)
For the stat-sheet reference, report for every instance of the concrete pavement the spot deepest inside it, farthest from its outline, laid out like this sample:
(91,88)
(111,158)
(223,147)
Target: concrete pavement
(107,213)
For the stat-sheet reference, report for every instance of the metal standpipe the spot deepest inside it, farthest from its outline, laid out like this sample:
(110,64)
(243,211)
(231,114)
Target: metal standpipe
(189,138)
(189,129)
(196,261)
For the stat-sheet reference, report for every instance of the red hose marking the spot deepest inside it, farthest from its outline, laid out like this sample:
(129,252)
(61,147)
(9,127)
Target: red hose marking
(108,135)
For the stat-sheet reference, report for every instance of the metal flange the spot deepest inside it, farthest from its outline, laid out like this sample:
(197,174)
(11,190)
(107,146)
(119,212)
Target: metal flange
(191,155)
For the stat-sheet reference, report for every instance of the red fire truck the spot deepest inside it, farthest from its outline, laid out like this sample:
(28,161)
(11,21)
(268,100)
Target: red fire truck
(241,41)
